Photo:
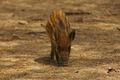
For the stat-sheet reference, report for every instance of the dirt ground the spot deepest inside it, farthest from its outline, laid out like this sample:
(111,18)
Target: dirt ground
(25,47)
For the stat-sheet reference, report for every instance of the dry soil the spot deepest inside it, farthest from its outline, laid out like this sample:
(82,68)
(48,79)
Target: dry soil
(25,47)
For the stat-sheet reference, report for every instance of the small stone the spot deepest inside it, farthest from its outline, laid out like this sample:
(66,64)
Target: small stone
(22,22)
(111,70)
(118,28)
(76,71)
(15,37)
(23,10)
(79,20)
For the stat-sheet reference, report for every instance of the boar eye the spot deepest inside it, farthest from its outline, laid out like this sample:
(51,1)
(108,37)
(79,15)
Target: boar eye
(60,49)
(69,48)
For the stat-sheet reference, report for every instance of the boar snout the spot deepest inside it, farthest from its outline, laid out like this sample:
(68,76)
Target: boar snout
(63,59)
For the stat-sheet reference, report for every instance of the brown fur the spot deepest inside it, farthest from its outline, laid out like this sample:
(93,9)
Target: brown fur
(61,36)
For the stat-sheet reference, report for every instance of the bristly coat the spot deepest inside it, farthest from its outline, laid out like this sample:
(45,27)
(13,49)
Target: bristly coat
(61,36)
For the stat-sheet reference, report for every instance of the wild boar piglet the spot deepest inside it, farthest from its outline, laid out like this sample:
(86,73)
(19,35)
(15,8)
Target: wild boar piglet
(61,36)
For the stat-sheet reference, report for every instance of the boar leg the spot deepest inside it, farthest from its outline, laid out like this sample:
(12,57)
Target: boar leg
(52,51)
(57,57)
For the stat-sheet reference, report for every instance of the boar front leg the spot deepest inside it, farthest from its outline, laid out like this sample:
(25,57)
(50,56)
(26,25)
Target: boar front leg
(52,50)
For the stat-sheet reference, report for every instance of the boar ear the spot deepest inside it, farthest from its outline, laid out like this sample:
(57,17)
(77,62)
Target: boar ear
(56,34)
(72,34)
